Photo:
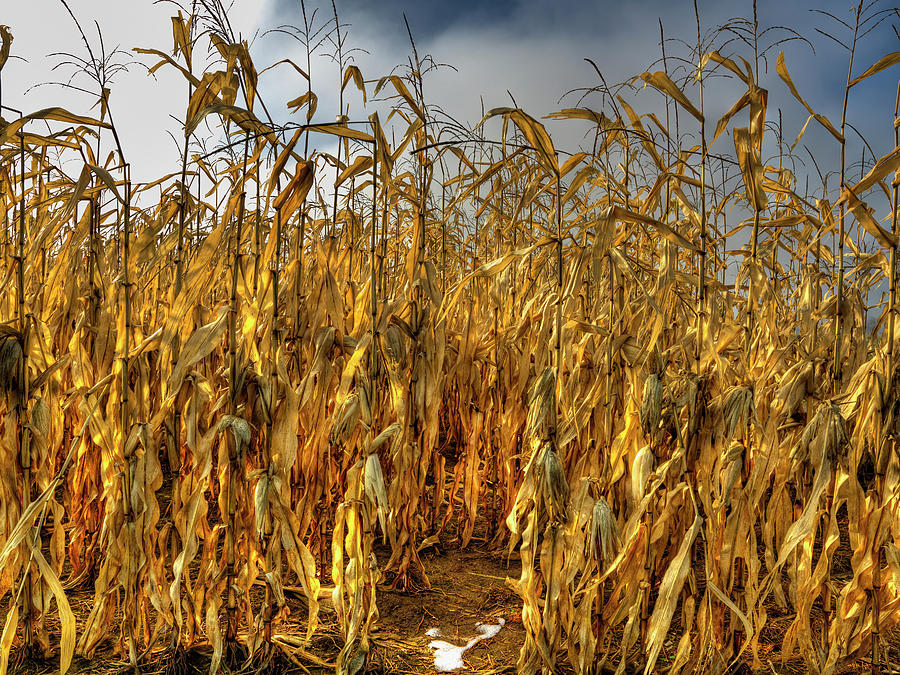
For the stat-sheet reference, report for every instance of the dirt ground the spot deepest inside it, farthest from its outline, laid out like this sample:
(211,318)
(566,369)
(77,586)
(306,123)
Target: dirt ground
(467,588)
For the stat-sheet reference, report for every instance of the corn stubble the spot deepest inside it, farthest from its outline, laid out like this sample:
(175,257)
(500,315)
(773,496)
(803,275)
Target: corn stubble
(223,398)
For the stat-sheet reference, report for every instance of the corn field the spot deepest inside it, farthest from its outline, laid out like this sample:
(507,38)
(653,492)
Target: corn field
(646,369)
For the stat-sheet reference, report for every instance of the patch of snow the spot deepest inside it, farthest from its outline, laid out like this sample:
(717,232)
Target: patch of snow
(488,630)
(449,657)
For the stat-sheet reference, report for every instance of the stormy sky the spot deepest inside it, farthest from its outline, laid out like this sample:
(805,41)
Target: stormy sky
(529,51)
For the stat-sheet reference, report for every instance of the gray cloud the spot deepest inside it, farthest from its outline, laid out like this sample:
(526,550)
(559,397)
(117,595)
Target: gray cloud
(536,51)
(533,49)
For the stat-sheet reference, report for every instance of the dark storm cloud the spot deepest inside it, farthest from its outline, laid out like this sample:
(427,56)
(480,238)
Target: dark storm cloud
(427,18)
(532,49)
(536,48)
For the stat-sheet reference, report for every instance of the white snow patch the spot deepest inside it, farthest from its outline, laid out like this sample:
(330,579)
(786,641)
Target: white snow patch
(449,657)
(488,630)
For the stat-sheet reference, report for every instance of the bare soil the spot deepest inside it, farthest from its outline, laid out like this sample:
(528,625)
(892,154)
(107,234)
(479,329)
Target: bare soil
(467,588)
